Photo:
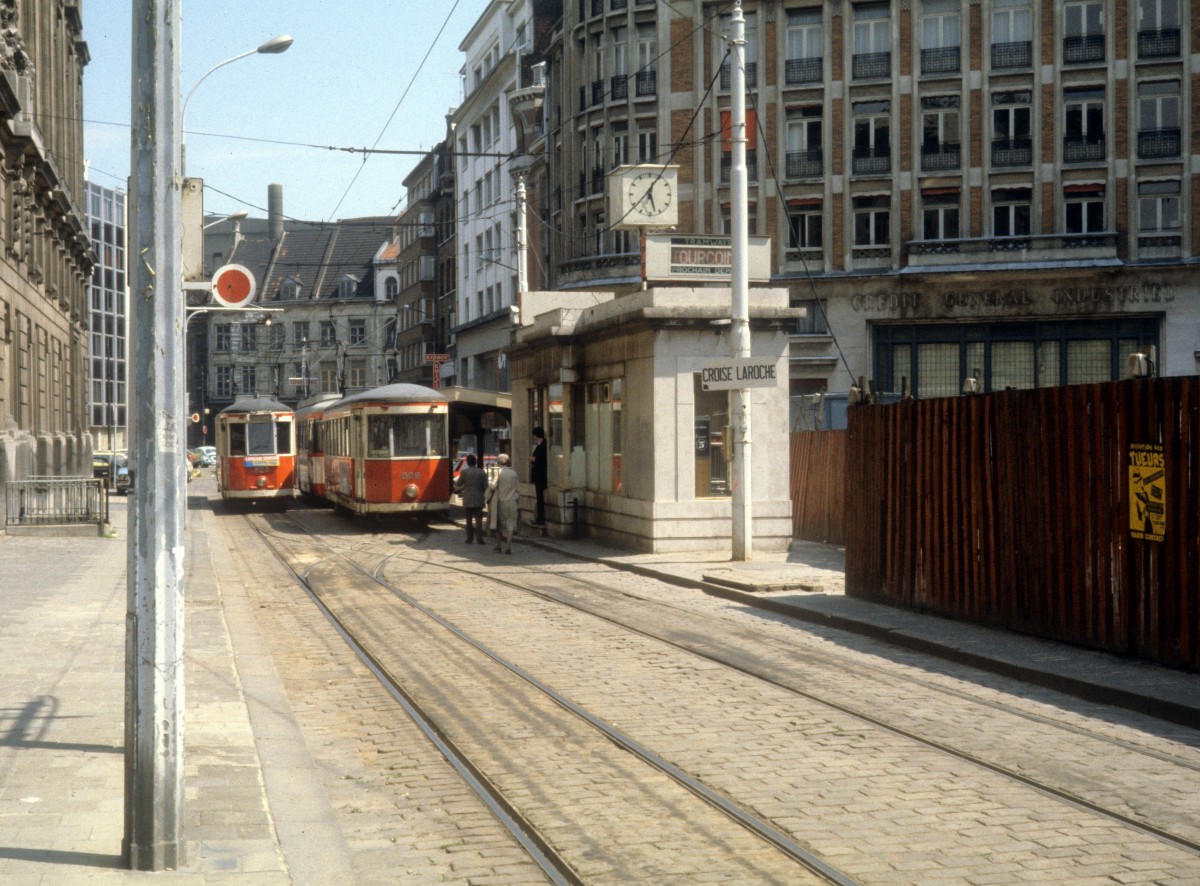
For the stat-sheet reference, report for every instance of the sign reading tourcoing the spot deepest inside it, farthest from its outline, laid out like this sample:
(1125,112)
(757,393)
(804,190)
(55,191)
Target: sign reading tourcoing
(729,375)
(707,259)
(1147,492)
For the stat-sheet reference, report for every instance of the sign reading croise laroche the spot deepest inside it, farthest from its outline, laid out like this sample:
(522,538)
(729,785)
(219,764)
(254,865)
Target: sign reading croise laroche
(729,375)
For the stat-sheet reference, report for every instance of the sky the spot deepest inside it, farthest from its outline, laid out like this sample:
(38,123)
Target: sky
(339,83)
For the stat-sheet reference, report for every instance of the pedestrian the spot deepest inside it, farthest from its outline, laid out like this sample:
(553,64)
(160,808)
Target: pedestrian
(472,486)
(503,503)
(538,474)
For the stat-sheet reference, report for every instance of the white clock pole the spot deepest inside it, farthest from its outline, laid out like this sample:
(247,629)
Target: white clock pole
(743,501)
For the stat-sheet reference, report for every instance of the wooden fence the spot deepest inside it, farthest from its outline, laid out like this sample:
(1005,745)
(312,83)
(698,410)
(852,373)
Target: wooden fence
(818,479)
(1071,513)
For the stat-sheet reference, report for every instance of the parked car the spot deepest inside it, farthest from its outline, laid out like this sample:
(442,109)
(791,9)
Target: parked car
(208,455)
(113,469)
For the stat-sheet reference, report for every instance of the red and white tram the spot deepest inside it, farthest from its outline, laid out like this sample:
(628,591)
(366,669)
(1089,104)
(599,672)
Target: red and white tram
(386,451)
(256,450)
(310,451)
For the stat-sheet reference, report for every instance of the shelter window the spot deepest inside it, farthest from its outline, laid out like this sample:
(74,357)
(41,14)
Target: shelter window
(711,440)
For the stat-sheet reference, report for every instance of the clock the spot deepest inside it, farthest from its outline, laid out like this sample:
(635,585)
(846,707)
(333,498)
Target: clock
(643,197)
(650,194)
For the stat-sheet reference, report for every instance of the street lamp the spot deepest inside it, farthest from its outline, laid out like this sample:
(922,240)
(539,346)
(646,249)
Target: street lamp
(274,46)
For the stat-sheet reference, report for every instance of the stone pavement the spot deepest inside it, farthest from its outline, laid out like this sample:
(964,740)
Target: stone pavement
(255,808)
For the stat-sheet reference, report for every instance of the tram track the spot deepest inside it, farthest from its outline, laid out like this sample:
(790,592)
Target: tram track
(380,559)
(557,868)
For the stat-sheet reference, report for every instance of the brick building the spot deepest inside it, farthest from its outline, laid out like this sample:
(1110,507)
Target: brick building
(993,190)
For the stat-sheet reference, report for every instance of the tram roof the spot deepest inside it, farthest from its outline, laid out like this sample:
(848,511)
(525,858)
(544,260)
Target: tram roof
(403,392)
(255,404)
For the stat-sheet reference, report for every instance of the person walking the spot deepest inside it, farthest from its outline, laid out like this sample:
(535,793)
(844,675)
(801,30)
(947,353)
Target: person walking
(503,503)
(472,486)
(539,474)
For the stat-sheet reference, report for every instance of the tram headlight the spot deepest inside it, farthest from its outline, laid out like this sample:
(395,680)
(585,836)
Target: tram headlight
(411,491)
(262,481)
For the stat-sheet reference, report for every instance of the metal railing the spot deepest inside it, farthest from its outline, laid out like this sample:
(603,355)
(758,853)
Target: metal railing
(55,501)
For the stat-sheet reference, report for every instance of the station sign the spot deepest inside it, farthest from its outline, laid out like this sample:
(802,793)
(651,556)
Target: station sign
(729,375)
(706,259)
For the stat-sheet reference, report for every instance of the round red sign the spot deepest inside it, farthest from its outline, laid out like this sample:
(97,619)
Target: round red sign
(233,286)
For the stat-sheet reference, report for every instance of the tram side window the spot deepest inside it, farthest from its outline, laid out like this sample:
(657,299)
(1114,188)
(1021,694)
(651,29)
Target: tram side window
(406,436)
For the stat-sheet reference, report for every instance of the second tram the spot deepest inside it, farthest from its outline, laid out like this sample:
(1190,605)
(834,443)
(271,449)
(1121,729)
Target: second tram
(256,450)
(386,451)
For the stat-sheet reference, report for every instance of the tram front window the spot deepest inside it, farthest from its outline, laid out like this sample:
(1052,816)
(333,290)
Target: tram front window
(260,439)
(406,436)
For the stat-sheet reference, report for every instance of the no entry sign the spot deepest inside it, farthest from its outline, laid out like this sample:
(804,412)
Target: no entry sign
(233,286)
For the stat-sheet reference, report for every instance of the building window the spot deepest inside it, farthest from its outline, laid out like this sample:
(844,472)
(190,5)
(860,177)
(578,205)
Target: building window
(1083,32)
(872,221)
(1083,138)
(647,146)
(940,139)
(1158,29)
(329,379)
(249,337)
(1012,141)
(1012,34)
(1011,212)
(248,382)
(805,228)
(428,267)
(289,290)
(645,80)
(940,49)
(872,138)
(804,155)
(356,374)
(804,47)
(1158,207)
(300,333)
(391,288)
(939,216)
(328,335)
(872,41)
(1083,211)
(222,334)
(1158,120)
(358,332)
(224,382)
(347,286)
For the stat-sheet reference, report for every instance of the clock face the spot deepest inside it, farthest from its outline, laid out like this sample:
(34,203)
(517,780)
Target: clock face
(649,194)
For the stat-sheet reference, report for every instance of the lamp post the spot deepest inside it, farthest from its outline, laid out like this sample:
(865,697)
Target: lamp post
(274,46)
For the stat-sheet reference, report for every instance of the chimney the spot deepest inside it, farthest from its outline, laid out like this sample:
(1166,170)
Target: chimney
(275,210)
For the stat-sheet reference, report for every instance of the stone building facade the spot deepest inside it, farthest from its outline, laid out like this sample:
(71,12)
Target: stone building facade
(45,252)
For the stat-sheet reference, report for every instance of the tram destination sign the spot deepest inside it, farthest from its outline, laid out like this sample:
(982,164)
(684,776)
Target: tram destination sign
(707,259)
(729,375)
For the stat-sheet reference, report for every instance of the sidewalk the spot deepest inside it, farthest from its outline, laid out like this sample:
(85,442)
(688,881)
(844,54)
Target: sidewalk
(255,812)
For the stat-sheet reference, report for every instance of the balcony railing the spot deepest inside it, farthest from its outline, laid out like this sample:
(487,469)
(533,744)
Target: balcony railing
(1012,151)
(1015,54)
(1083,149)
(751,76)
(874,160)
(802,70)
(618,88)
(1156,143)
(803,164)
(1159,43)
(940,156)
(871,65)
(944,60)
(1102,244)
(1083,49)
(645,83)
(727,167)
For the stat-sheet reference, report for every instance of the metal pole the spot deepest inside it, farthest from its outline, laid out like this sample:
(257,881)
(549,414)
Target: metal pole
(522,261)
(740,328)
(154,704)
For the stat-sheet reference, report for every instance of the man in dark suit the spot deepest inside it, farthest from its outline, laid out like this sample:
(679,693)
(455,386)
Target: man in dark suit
(539,473)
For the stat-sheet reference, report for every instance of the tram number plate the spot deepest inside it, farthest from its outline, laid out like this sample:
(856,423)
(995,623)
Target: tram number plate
(410,475)
(262,461)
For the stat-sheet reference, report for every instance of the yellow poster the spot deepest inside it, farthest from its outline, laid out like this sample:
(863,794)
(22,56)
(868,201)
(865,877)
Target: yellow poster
(1147,491)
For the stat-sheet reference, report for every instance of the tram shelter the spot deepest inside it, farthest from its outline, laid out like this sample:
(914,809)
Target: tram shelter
(639,450)
(480,421)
